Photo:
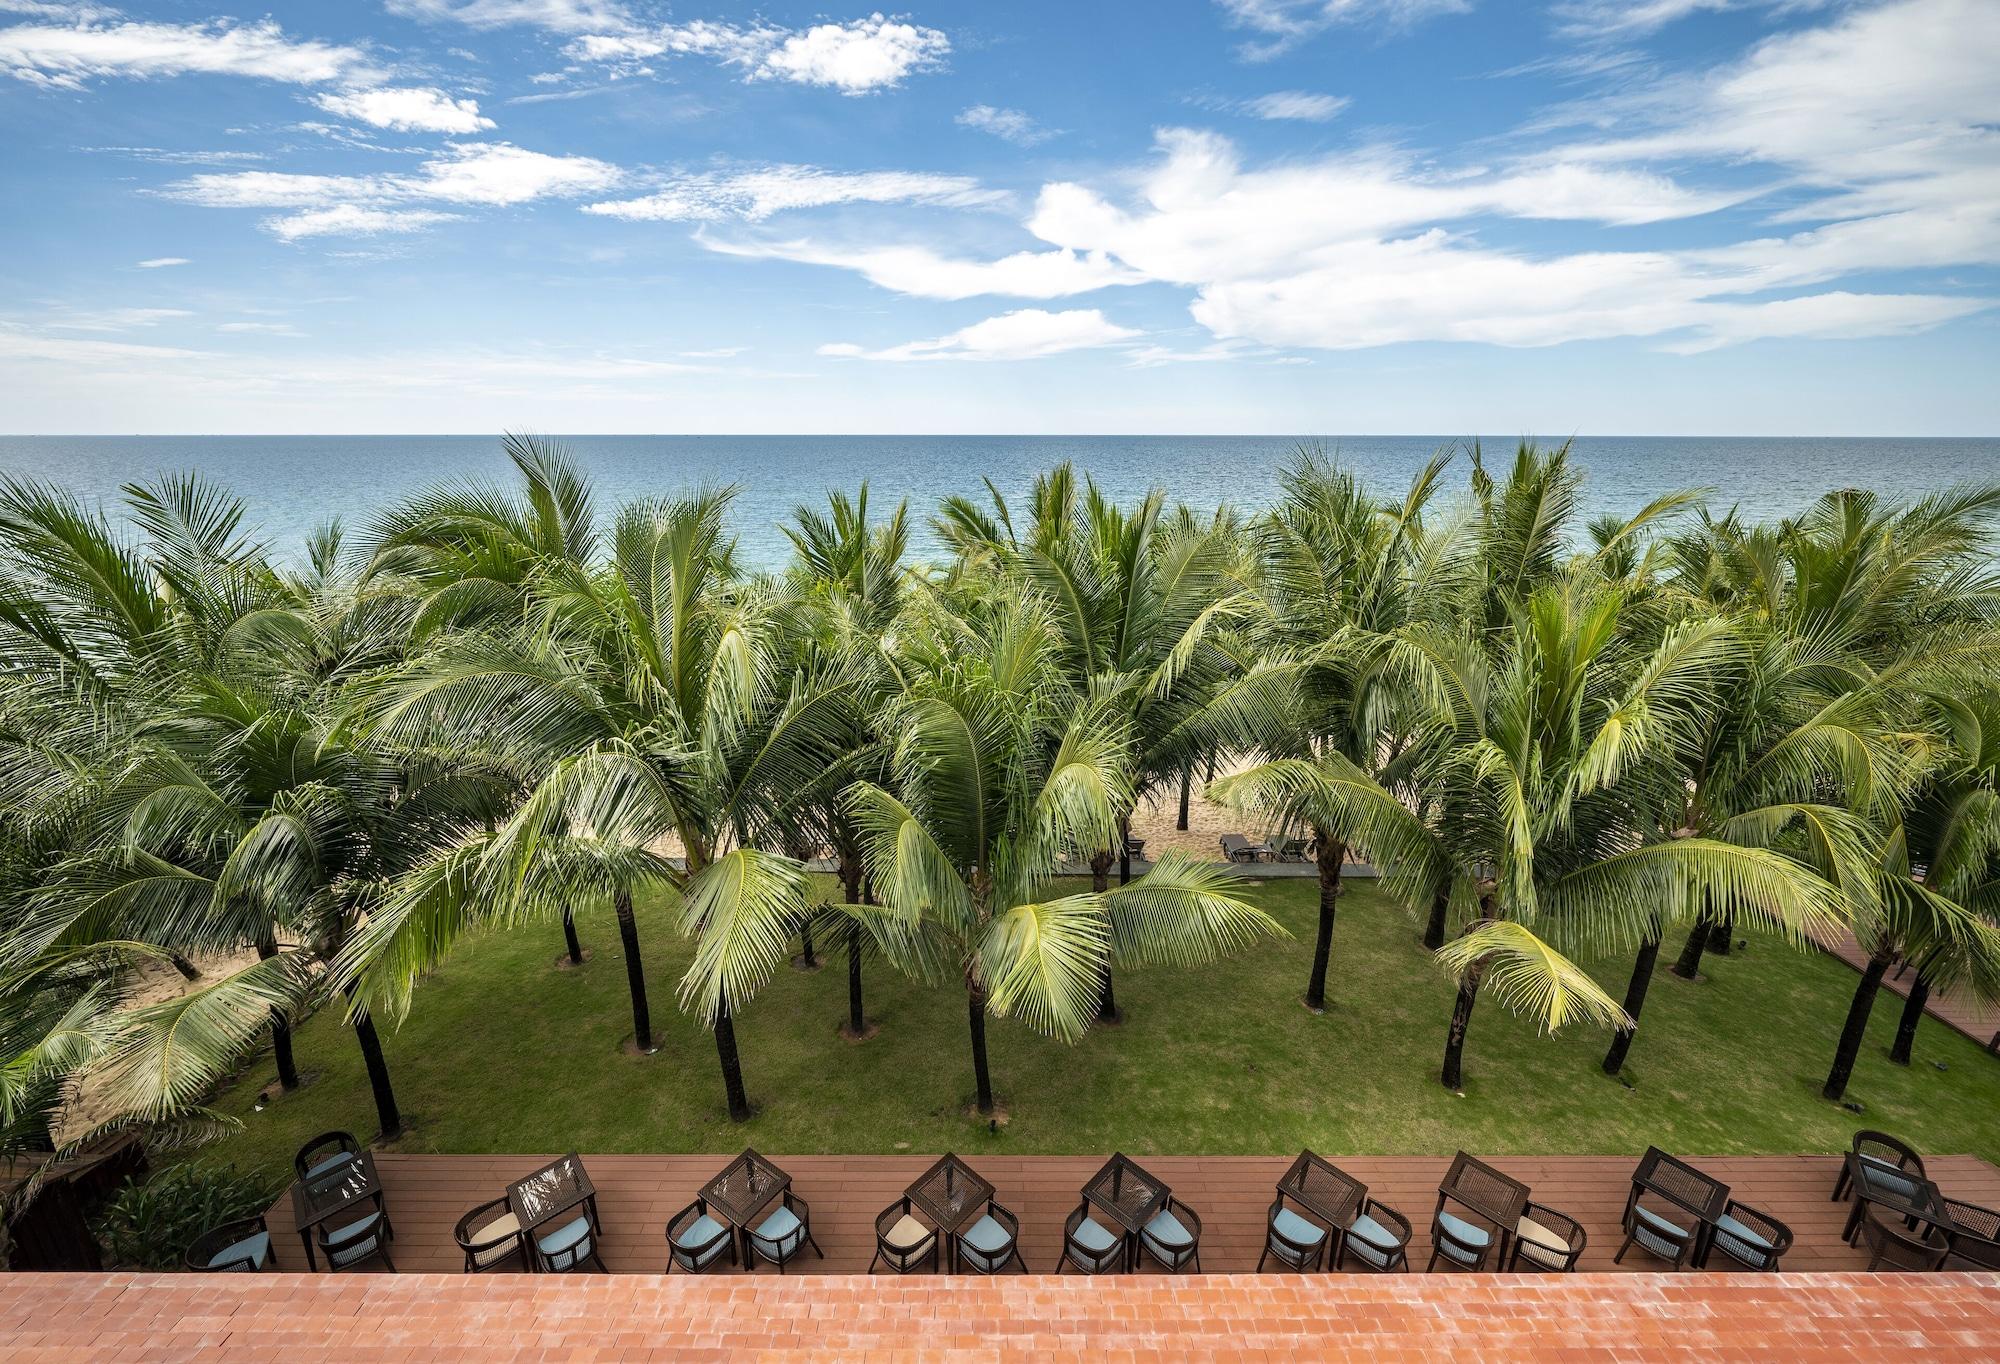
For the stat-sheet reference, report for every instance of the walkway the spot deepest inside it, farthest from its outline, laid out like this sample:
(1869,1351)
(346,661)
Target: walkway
(512,1319)
(1956,1009)
(637,1194)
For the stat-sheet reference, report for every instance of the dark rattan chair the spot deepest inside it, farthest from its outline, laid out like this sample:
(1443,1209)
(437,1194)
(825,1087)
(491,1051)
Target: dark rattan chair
(365,1238)
(902,1242)
(1459,1242)
(1669,1235)
(1898,1247)
(1379,1236)
(1749,1237)
(571,1246)
(992,1243)
(1089,1245)
(1298,1242)
(1977,1240)
(1173,1237)
(697,1242)
(783,1234)
(489,1236)
(239,1247)
(327,1151)
(1546,1240)
(1880,1149)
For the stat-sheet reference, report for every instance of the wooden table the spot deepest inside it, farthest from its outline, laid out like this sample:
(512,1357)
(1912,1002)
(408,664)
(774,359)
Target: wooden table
(745,1188)
(1926,1204)
(1498,1198)
(558,1188)
(1128,1195)
(1686,1188)
(951,1192)
(1326,1191)
(327,1196)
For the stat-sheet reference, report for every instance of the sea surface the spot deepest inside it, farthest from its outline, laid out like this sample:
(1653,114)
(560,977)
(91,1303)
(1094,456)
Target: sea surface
(294,483)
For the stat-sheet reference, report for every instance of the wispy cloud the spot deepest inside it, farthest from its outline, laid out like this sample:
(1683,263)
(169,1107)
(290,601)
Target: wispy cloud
(1297,105)
(857,57)
(406,109)
(70,56)
(1286,23)
(162,262)
(560,16)
(353,220)
(924,273)
(1026,334)
(1011,125)
(753,195)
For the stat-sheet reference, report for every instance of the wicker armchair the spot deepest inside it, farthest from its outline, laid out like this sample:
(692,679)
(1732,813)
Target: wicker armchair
(1879,1148)
(1749,1237)
(327,1151)
(902,1242)
(239,1247)
(1898,1247)
(783,1235)
(489,1235)
(1977,1241)
(1457,1242)
(1173,1237)
(1379,1236)
(1089,1245)
(990,1244)
(697,1242)
(367,1237)
(1670,1236)
(1298,1243)
(1546,1240)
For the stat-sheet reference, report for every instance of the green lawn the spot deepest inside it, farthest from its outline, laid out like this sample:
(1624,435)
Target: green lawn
(506,1053)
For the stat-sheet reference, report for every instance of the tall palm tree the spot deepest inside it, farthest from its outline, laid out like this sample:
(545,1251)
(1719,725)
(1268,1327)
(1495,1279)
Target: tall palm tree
(653,698)
(1000,773)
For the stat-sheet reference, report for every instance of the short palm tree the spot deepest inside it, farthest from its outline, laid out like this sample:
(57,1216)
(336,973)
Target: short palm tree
(1001,772)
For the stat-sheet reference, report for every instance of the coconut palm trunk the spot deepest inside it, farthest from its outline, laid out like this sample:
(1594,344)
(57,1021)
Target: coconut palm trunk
(635,971)
(574,947)
(387,1114)
(1856,1028)
(1688,965)
(1913,1014)
(1331,856)
(1187,789)
(975,1003)
(1435,925)
(732,1066)
(281,1031)
(1107,996)
(1461,1019)
(1635,1000)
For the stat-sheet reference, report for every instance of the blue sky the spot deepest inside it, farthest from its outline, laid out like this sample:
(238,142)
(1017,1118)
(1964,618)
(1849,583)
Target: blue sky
(1649,216)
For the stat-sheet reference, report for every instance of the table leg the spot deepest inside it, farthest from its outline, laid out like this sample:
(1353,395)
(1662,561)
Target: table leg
(306,1240)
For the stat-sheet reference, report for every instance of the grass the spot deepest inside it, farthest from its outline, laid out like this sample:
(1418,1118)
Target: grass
(505,1053)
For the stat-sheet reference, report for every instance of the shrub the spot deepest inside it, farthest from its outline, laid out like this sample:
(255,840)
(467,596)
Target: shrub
(150,1223)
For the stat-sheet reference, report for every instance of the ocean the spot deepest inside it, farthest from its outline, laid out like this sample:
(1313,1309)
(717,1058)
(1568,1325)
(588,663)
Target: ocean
(293,483)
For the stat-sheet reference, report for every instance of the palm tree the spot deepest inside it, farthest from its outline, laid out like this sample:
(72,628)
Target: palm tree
(1000,773)
(653,699)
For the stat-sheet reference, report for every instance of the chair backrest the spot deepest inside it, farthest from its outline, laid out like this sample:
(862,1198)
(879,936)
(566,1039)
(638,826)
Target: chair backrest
(1892,1150)
(1923,1247)
(316,1151)
(1233,844)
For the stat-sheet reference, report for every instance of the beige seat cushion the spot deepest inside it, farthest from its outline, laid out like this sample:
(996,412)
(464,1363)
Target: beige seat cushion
(503,1225)
(907,1234)
(1538,1243)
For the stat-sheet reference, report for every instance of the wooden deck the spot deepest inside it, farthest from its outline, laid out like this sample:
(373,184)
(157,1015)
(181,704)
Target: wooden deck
(1957,1008)
(637,1194)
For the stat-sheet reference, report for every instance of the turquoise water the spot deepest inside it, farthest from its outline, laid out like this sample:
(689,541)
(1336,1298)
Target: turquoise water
(295,482)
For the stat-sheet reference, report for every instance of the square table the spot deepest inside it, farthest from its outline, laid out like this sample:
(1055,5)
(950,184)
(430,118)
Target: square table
(557,1188)
(1685,1187)
(745,1188)
(951,1192)
(1499,1198)
(1325,1190)
(328,1195)
(1127,1194)
(1926,1204)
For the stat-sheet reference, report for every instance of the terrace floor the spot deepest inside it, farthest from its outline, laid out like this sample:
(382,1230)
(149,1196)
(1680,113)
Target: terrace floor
(637,1194)
(1956,1008)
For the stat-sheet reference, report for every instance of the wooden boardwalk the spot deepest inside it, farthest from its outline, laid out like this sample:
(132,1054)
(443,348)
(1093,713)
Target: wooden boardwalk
(1956,1009)
(637,1194)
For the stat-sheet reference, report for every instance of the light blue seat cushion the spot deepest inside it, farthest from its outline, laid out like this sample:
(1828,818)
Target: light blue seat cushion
(1460,1230)
(1092,1237)
(986,1242)
(1294,1228)
(341,1235)
(568,1244)
(1888,1177)
(327,1163)
(1372,1241)
(250,1253)
(1657,1234)
(778,1235)
(1736,1239)
(1167,1232)
(689,1245)
(355,1241)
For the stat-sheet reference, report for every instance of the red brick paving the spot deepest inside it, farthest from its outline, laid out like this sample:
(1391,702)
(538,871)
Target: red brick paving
(499,1319)
(637,1194)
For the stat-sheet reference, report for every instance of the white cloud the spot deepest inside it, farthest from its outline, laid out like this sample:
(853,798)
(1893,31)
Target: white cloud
(856,57)
(757,194)
(68,57)
(273,189)
(406,109)
(1296,104)
(561,16)
(260,328)
(1026,334)
(1288,22)
(924,273)
(116,319)
(1011,125)
(353,220)
(161,262)
(500,173)
(1598,20)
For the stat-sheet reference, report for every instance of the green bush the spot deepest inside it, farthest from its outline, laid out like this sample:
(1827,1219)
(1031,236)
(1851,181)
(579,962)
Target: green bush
(150,1223)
